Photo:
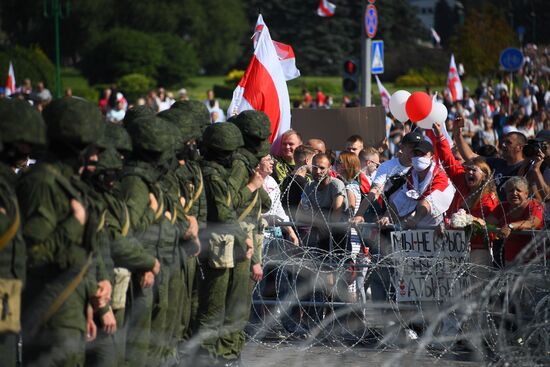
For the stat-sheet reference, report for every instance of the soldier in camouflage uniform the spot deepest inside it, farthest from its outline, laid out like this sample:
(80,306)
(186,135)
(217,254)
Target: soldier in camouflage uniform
(22,128)
(191,186)
(59,232)
(153,208)
(250,199)
(224,244)
(120,253)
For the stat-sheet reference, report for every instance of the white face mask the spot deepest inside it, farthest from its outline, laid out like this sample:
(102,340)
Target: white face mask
(421,163)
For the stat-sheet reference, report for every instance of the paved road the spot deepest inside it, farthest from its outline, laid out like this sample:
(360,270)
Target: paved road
(272,354)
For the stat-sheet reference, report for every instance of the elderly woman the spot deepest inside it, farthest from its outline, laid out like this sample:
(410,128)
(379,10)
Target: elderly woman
(475,193)
(519,213)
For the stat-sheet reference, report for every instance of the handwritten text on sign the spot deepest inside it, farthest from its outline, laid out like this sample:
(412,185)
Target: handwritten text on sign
(429,266)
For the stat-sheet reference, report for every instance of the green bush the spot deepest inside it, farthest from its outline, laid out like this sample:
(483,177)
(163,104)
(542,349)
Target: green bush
(135,85)
(120,52)
(29,63)
(423,77)
(179,61)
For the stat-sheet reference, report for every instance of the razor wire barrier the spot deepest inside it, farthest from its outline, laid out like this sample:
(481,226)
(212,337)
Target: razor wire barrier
(341,300)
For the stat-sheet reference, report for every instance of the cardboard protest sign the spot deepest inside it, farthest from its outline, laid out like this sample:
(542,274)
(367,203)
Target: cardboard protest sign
(334,126)
(429,266)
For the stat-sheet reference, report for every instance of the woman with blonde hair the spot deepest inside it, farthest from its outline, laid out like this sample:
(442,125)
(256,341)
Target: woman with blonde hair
(348,167)
(475,193)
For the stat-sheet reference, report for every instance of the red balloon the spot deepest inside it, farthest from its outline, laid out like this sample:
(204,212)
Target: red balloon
(419,106)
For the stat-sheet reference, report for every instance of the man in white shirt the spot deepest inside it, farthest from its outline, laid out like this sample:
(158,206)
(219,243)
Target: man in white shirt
(423,200)
(389,171)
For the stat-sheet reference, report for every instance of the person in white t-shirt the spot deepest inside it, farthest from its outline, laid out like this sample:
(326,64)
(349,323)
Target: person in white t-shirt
(388,171)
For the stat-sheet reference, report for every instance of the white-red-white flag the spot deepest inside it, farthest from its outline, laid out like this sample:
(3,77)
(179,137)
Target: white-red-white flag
(284,52)
(454,85)
(263,87)
(10,83)
(326,8)
(436,37)
(384,95)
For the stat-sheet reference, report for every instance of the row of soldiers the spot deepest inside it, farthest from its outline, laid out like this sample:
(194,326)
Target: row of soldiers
(128,245)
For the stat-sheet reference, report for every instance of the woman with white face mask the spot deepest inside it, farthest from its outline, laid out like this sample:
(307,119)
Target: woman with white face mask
(423,200)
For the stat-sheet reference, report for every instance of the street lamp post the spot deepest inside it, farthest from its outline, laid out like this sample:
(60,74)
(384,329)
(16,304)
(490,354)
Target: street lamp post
(55,9)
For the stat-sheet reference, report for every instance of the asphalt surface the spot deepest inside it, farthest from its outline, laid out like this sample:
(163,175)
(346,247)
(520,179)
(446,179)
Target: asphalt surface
(294,354)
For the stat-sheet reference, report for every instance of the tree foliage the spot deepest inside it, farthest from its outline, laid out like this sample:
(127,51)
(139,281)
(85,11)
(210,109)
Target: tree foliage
(179,61)
(480,40)
(120,52)
(29,63)
(322,44)
(445,19)
(216,29)
(135,85)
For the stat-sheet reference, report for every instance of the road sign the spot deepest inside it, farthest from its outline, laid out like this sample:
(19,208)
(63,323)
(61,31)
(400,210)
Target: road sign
(371,21)
(377,57)
(511,59)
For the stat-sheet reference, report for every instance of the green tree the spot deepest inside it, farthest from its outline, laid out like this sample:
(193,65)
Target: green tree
(444,21)
(121,52)
(215,29)
(179,61)
(480,40)
(29,63)
(147,15)
(322,44)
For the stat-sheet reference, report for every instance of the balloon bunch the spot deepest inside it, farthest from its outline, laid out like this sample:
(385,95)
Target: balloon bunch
(418,107)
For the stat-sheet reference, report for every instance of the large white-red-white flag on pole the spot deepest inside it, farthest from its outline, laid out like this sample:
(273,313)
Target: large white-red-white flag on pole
(10,83)
(284,52)
(326,8)
(263,87)
(384,95)
(454,85)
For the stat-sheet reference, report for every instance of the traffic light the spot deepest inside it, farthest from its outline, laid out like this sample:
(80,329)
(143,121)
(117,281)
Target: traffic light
(350,77)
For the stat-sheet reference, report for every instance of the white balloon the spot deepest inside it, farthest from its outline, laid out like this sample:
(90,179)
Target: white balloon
(439,113)
(398,101)
(426,123)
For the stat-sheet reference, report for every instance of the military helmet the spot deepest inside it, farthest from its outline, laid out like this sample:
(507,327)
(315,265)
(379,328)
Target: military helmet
(136,112)
(109,159)
(222,136)
(117,137)
(73,120)
(150,133)
(183,121)
(20,122)
(199,112)
(255,124)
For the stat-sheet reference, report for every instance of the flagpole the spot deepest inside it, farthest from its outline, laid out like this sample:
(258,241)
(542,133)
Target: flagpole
(366,64)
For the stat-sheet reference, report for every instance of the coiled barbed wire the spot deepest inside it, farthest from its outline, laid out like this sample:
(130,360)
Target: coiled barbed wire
(500,315)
